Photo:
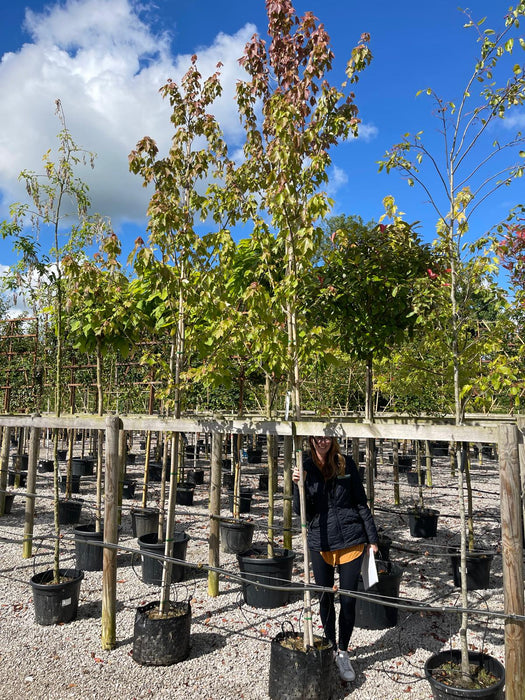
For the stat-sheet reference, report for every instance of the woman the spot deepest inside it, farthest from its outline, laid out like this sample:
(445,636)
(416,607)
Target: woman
(340,529)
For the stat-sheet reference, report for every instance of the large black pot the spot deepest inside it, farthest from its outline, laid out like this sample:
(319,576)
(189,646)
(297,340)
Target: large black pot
(258,569)
(245,500)
(8,503)
(56,602)
(296,674)
(185,490)
(144,521)
(22,479)
(478,569)
(155,471)
(128,488)
(161,641)
(228,480)
(89,557)
(45,465)
(254,456)
(413,478)
(20,462)
(444,691)
(75,483)
(375,615)
(236,535)
(152,568)
(423,523)
(196,476)
(404,462)
(69,510)
(82,466)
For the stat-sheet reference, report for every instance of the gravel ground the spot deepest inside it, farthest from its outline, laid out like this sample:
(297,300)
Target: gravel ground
(230,641)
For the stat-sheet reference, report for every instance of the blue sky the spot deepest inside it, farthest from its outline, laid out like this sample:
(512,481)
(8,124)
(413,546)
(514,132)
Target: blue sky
(107,59)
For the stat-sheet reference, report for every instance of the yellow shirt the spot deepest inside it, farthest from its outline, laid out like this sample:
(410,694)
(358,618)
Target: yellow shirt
(343,556)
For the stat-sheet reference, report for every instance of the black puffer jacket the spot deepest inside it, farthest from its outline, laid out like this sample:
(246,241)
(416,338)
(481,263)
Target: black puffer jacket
(337,511)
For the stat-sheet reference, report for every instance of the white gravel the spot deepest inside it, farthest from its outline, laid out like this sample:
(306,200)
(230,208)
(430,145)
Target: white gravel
(230,641)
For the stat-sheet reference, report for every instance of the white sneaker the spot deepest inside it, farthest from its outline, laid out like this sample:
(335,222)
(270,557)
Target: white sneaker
(346,672)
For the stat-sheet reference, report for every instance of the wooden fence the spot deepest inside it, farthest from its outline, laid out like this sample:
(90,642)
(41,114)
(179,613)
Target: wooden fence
(507,432)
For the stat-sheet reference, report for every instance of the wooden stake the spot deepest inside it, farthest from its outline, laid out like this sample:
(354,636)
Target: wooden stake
(34,446)
(109,572)
(512,542)
(214,510)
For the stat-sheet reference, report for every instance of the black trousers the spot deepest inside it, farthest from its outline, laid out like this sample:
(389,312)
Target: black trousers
(348,578)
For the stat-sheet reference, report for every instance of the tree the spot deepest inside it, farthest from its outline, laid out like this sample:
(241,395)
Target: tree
(173,268)
(57,196)
(286,164)
(101,317)
(368,283)
(458,179)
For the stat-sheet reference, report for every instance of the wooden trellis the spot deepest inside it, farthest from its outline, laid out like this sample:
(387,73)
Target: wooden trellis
(18,353)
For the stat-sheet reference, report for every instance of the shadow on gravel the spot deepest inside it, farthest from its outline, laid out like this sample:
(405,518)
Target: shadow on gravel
(203,643)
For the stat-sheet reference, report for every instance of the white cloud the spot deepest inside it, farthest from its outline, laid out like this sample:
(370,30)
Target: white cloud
(105,64)
(367,132)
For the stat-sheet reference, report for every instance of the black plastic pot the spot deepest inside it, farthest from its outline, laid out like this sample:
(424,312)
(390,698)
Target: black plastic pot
(375,615)
(69,511)
(258,569)
(228,480)
(130,458)
(155,471)
(185,492)
(300,675)
(478,569)
(236,535)
(89,557)
(56,602)
(152,568)
(254,456)
(263,482)
(412,478)
(423,523)
(45,465)
(82,466)
(196,476)
(75,483)
(20,462)
(164,641)
(8,503)
(128,488)
(11,478)
(404,462)
(245,500)
(61,454)
(444,691)
(144,521)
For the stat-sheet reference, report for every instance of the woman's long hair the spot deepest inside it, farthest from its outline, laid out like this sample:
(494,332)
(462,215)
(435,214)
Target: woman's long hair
(335,462)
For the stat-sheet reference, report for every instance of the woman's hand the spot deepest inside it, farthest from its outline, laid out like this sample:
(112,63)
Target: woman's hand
(374,548)
(295,475)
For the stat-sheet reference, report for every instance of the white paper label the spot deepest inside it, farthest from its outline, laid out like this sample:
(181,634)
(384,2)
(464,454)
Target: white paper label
(66,602)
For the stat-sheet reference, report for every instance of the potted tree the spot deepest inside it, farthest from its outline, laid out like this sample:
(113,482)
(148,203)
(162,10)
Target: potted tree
(465,275)
(55,591)
(175,284)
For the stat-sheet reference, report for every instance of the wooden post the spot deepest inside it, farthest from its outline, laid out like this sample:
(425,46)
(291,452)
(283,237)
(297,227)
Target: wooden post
(308,635)
(109,573)
(4,465)
(287,491)
(512,554)
(214,511)
(34,446)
